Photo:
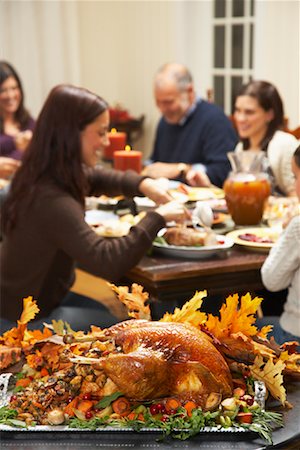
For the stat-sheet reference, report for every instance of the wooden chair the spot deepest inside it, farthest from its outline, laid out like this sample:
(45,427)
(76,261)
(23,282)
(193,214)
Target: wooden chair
(295,132)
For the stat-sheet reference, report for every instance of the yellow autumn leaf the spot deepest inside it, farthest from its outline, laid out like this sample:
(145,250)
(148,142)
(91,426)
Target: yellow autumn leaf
(263,333)
(228,312)
(30,309)
(271,374)
(235,317)
(245,317)
(189,312)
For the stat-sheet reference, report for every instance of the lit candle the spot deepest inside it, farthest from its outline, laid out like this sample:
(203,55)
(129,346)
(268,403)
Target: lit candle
(128,159)
(117,141)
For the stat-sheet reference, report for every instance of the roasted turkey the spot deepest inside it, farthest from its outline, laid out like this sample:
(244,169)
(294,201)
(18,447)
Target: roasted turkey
(189,237)
(159,359)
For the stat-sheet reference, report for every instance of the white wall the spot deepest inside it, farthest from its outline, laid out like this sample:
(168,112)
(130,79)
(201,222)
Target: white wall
(277,51)
(115,47)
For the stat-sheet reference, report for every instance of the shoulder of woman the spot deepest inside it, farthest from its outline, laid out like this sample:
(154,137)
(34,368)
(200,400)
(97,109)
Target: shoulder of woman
(284,138)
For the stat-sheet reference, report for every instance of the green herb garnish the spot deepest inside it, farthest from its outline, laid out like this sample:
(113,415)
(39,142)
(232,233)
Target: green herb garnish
(108,399)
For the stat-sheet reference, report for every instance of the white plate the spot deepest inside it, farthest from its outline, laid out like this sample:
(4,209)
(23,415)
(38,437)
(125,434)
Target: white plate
(266,232)
(194,252)
(94,217)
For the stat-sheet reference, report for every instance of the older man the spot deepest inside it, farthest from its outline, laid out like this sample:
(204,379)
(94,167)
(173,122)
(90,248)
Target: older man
(193,136)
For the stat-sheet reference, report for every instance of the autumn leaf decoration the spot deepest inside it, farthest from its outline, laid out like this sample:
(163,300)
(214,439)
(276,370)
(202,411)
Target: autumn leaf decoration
(135,301)
(30,310)
(15,336)
(271,374)
(236,317)
(189,312)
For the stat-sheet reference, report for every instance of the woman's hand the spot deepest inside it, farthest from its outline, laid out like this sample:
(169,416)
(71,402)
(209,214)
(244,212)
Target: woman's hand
(156,190)
(174,211)
(8,166)
(22,139)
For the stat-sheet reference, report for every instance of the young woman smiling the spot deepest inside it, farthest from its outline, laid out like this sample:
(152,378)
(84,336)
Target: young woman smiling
(44,230)
(259,117)
(16,124)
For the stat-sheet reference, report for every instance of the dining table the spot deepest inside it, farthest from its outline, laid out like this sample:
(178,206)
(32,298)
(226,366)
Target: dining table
(172,281)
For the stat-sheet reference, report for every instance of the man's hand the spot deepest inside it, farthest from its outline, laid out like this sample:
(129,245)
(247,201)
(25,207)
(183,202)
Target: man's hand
(160,169)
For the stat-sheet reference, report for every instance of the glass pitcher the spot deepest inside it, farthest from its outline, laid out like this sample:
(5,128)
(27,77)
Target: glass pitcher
(247,187)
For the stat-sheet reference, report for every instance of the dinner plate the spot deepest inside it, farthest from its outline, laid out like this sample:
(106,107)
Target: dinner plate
(102,202)
(220,218)
(3,183)
(265,232)
(95,217)
(175,251)
(195,194)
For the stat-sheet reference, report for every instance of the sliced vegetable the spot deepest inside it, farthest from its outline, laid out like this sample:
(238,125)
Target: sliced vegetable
(172,404)
(121,406)
(189,406)
(244,417)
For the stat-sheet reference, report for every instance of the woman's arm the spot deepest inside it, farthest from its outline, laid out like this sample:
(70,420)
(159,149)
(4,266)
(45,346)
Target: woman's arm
(284,258)
(8,147)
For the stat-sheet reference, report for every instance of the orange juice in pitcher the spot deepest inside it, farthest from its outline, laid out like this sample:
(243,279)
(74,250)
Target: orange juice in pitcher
(247,187)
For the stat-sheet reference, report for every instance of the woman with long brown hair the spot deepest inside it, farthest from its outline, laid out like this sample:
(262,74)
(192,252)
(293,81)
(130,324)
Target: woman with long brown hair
(44,231)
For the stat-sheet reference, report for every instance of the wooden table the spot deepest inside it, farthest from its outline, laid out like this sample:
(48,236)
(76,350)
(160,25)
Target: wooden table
(171,282)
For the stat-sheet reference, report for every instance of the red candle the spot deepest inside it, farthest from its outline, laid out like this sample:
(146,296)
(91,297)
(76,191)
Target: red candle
(117,141)
(128,159)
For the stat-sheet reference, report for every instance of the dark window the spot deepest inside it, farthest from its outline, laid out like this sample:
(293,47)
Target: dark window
(220,8)
(237,46)
(238,8)
(252,5)
(219,90)
(251,47)
(236,83)
(219,57)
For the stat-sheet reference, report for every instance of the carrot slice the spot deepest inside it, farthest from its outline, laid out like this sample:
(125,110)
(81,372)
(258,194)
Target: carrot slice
(121,406)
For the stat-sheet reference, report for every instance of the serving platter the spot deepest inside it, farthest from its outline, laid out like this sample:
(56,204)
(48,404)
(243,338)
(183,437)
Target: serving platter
(173,251)
(263,232)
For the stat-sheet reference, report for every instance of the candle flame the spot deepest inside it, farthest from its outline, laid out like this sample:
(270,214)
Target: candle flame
(127,148)
(113,130)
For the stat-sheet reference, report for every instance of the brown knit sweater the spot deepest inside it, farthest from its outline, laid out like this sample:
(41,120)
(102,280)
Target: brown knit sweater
(39,255)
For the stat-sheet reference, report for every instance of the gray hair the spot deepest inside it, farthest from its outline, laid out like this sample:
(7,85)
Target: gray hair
(175,72)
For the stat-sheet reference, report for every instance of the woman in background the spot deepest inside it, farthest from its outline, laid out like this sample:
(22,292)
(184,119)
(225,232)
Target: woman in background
(16,124)
(44,230)
(281,270)
(259,119)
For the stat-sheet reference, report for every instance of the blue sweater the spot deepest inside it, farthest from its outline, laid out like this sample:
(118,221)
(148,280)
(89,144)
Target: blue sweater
(206,137)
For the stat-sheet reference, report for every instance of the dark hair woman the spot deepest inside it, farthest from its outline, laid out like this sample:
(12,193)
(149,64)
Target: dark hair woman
(44,230)
(16,124)
(259,117)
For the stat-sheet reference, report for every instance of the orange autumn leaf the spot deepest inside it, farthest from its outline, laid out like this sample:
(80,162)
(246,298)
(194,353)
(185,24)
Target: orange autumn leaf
(134,300)
(32,336)
(50,353)
(30,310)
(35,360)
(235,317)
